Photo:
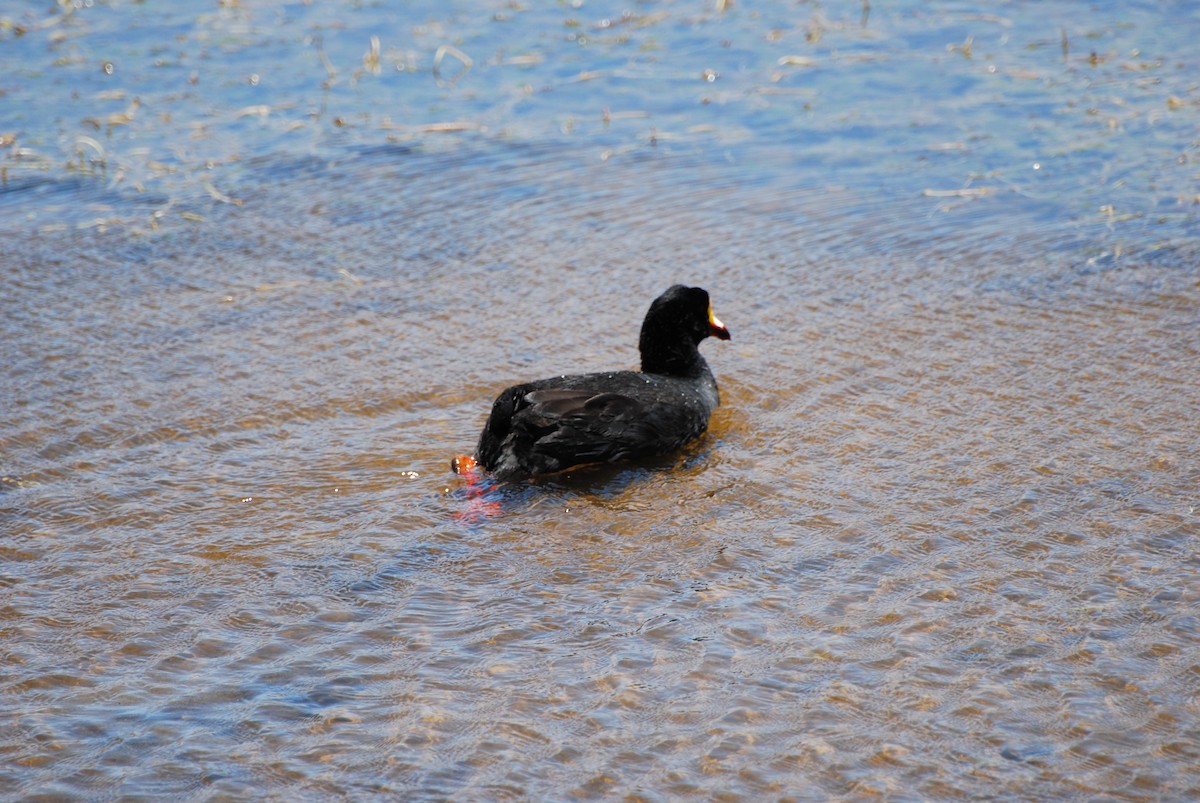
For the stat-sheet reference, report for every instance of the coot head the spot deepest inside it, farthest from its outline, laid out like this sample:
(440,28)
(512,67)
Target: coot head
(674,326)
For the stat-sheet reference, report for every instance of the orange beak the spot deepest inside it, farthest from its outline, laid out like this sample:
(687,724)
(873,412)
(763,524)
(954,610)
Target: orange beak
(715,327)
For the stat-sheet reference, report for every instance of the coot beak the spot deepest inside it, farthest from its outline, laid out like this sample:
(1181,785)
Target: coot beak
(715,327)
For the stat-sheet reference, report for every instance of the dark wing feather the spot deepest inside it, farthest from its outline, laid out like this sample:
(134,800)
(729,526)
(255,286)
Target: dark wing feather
(539,430)
(594,427)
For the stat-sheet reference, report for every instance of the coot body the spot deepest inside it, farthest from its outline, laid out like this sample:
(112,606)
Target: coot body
(554,424)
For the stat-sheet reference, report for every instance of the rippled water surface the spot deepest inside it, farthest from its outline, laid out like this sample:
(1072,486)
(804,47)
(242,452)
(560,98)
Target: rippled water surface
(264,276)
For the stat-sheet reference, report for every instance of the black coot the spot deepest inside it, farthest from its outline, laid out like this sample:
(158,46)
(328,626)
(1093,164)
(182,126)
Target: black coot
(554,424)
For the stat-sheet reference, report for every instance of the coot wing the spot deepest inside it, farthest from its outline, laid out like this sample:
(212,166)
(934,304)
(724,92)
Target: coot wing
(581,426)
(544,430)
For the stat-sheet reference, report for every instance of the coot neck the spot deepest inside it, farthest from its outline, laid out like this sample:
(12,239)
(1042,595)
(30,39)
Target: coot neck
(681,359)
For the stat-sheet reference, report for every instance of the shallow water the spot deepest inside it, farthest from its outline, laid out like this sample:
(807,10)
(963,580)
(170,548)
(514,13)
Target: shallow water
(940,541)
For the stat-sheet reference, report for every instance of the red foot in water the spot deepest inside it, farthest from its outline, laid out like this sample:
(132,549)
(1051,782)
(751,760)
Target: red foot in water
(463,464)
(479,506)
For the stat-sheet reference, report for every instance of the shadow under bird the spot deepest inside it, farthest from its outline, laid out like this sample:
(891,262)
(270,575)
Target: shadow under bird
(562,422)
